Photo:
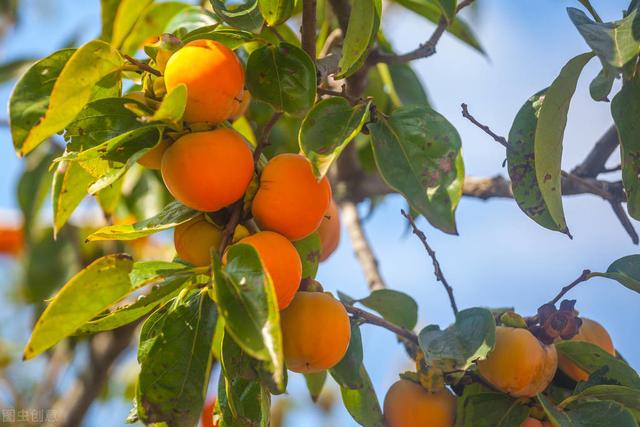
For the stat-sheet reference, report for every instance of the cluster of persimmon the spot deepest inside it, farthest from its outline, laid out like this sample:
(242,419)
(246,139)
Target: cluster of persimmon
(209,171)
(519,365)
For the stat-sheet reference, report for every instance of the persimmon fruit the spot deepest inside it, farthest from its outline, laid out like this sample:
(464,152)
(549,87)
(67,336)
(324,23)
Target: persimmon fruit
(329,231)
(11,240)
(195,239)
(290,200)
(315,332)
(519,364)
(534,422)
(152,159)
(281,260)
(208,171)
(591,332)
(241,106)
(206,420)
(408,404)
(214,78)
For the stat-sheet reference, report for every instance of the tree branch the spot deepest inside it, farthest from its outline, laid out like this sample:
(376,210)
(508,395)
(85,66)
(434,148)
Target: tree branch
(105,348)
(308,28)
(436,265)
(425,50)
(592,166)
(361,246)
(594,163)
(586,275)
(372,319)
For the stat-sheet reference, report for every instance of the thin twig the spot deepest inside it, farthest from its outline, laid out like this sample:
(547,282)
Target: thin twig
(497,138)
(342,93)
(308,28)
(263,142)
(143,66)
(361,246)
(586,275)
(436,265)
(372,319)
(425,50)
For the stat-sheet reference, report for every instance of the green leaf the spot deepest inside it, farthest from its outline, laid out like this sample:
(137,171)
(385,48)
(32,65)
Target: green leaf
(589,414)
(626,396)
(592,11)
(552,120)
(243,402)
(128,14)
(361,31)
(458,28)
(230,37)
(590,358)
(146,272)
(276,12)
(417,152)
(348,372)
(175,361)
(88,293)
(171,216)
(109,161)
(283,76)
(69,188)
(14,69)
(71,91)
(309,251)
(448,8)
(470,338)
(485,409)
(315,384)
(625,109)
(33,187)
(614,42)
(247,303)
(244,15)
(151,23)
(625,270)
(108,10)
(363,403)
(601,85)
(100,121)
(172,107)
(328,128)
(123,315)
(396,307)
(521,164)
(30,97)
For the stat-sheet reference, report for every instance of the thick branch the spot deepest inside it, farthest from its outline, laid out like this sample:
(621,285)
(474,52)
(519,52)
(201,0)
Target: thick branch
(105,349)
(594,163)
(361,246)
(487,188)
(308,29)
(436,265)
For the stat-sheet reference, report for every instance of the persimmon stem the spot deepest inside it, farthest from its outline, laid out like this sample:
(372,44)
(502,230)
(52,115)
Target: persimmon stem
(437,270)
(586,275)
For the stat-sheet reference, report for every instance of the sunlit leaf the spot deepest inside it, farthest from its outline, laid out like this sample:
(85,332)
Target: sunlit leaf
(361,31)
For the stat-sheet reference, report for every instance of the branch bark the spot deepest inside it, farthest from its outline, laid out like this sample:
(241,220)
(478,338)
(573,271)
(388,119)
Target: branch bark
(361,246)
(594,163)
(308,28)
(105,349)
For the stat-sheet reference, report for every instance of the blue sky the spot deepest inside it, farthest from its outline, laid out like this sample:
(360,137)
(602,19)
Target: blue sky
(501,258)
